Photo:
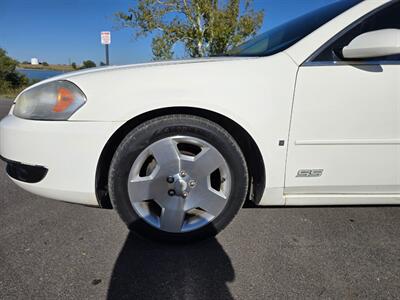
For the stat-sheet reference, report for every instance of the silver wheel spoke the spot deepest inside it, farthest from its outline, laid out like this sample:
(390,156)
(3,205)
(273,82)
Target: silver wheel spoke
(214,202)
(141,189)
(206,198)
(172,216)
(207,161)
(166,154)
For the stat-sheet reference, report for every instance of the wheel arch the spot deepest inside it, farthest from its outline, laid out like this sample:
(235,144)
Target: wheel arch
(247,144)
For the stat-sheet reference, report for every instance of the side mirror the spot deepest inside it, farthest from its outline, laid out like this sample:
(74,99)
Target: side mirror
(373,44)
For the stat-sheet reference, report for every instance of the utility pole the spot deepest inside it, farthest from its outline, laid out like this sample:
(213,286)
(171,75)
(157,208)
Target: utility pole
(107,56)
(106,41)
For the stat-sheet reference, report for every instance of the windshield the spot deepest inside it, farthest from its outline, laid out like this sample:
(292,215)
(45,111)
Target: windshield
(286,35)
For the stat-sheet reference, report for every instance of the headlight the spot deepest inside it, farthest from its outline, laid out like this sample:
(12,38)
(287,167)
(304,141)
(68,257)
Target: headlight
(56,100)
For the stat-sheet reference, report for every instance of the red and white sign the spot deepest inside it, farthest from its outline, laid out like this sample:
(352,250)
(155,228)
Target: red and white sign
(106,37)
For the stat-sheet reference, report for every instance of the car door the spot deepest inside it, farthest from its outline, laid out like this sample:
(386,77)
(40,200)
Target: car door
(345,129)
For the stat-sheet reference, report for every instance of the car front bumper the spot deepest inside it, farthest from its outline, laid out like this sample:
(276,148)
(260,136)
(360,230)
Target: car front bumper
(23,172)
(68,150)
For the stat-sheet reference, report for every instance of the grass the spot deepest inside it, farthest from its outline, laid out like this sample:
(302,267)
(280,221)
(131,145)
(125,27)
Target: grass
(49,67)
(10,94)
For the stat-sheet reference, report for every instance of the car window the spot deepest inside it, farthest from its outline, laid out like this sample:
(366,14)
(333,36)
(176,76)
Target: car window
(383,18)
(282,37)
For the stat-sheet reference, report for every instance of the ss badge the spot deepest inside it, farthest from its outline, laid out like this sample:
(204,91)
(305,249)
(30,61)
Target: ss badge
(310,173)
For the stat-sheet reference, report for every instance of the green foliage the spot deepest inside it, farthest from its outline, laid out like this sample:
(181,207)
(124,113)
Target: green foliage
(45,64)
(73,65)
(102,64)
(88,64)
(205,27)
(10,80)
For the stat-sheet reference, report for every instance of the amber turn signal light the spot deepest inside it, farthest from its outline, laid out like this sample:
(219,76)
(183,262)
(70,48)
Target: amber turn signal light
(64,99)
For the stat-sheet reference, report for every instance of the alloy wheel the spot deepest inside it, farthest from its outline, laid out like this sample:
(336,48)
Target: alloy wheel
(179,184)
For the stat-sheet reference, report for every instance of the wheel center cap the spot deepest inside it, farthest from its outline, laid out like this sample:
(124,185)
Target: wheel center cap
(180,186)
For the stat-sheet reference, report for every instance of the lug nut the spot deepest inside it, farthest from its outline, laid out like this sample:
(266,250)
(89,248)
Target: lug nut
(183,173)
(171,193)
(192,183)
(184,194)
(170,179)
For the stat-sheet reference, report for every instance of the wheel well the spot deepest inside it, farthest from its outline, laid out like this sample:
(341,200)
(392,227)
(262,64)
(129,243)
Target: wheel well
(249,147)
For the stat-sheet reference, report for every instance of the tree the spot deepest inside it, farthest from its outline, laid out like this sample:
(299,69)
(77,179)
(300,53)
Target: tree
(10,79)
(205,27)
(73,65)
(88,64)
(102,64)
(45,64)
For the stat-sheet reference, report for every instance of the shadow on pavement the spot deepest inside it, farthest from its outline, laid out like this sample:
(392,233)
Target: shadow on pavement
(148,270)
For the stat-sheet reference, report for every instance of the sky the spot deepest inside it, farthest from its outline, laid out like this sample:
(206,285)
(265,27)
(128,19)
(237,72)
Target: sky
(65,31)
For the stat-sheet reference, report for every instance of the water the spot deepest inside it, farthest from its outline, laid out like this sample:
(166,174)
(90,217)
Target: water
(39,74)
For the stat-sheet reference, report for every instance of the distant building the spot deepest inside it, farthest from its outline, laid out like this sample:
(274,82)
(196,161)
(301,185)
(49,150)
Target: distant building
(34,61)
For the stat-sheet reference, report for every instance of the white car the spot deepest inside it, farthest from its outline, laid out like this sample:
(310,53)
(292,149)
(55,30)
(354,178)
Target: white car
(307,113)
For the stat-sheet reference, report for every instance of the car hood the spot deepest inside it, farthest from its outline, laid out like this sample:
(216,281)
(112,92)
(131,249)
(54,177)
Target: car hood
(141,66)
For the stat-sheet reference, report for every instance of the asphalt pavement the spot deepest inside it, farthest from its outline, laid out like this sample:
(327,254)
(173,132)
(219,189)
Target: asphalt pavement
(56,250)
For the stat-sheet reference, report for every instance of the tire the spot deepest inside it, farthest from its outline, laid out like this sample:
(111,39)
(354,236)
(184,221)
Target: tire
(159,200)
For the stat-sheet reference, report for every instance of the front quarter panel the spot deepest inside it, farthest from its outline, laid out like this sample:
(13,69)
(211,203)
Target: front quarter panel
(254,92)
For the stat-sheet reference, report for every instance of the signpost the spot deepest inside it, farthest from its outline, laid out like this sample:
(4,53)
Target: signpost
(106,40)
